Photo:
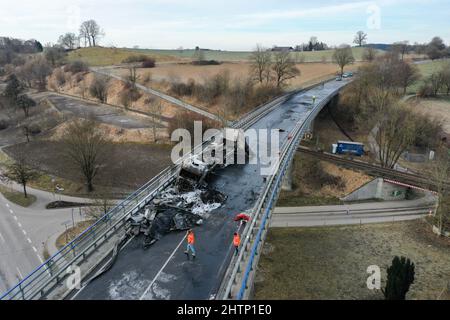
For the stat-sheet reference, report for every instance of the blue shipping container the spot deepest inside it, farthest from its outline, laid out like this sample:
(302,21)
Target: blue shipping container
(348,147)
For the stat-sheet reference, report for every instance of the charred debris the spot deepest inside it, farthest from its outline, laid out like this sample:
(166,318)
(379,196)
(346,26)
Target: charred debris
(189,201)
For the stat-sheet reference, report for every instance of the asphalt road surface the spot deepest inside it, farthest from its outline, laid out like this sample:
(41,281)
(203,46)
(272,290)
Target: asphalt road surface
(163,271)
(23,232)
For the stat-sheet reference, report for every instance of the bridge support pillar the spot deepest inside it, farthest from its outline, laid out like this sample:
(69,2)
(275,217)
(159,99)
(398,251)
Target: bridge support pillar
(286,185)
(310,127)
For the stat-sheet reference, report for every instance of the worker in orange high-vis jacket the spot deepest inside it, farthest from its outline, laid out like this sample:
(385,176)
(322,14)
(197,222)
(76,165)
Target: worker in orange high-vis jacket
(236,242)
(190,243)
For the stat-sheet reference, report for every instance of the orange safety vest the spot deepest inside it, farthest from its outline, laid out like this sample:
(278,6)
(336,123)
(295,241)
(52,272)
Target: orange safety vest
(190,238)
(236,240)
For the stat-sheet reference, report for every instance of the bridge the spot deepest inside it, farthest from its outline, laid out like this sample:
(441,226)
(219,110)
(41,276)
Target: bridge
(110,271)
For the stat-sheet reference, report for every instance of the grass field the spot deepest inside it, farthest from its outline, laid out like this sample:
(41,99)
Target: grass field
(427,69)
(331,262)
(99,56)
(317,56)
(17,197)
(437,108)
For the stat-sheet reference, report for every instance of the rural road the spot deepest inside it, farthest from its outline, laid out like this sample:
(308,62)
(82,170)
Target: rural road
(373,212)
(24,231)
(107,71)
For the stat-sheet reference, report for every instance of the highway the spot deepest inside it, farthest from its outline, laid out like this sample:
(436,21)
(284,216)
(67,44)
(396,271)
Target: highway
(163,271)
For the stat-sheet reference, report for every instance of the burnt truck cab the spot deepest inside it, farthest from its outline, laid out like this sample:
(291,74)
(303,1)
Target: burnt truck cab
(222,150)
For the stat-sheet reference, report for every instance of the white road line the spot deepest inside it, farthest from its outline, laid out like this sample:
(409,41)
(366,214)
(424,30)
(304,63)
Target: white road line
(10,211)
(3,239)
(29,240)
(19,224)
(20,273)
(24,232)
(162,268)
(7,204)
(40,259)
(15,218)
(34,249)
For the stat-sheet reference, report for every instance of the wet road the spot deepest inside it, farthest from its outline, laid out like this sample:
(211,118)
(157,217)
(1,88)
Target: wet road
(163,271)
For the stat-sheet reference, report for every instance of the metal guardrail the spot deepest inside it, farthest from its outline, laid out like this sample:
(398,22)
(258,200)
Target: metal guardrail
(263,210)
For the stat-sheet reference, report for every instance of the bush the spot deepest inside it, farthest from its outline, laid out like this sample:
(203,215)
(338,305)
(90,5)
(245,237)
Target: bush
(34,129)
(77,66)
(3,124)
(206,63)
(135,58)
(128,95)
(99,88)
(183,89)
(148,63)
(185,120)
(60,77)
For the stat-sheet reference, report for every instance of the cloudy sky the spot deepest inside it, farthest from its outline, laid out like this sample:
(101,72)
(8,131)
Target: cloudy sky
(229,24)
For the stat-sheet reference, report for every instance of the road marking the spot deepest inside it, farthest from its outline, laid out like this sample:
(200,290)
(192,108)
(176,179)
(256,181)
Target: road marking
(7,204)
(20,273)
(10,211)
(34,249)
(29,240)
(19,224)
(40,259)
(3,239)
(24,232)
(15,218)
(160,270)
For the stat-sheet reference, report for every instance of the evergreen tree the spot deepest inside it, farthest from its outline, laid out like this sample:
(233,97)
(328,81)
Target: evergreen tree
(400,276)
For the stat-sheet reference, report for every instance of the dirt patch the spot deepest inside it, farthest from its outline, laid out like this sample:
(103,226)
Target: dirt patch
(331,263)
(127,167)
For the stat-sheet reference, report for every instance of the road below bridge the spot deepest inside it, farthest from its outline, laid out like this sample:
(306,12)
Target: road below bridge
(163,270)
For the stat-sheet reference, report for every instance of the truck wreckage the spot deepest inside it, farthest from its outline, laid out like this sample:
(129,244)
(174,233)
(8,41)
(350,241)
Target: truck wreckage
(190,200)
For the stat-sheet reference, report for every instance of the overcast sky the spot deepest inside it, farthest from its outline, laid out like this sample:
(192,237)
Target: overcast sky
(229,24)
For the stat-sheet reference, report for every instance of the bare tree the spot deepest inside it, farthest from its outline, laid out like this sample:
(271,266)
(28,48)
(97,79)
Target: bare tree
(284,68)
(407,74)
(25,103)
(21,171)
(100,206)
(396,133)
(401,48)
(54,55)
(99,88)
(85,147)
(343,56)
(360,38)
(90,31)
(156,111)
(68,40)
(260,64)
(369,54)
(440,175)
